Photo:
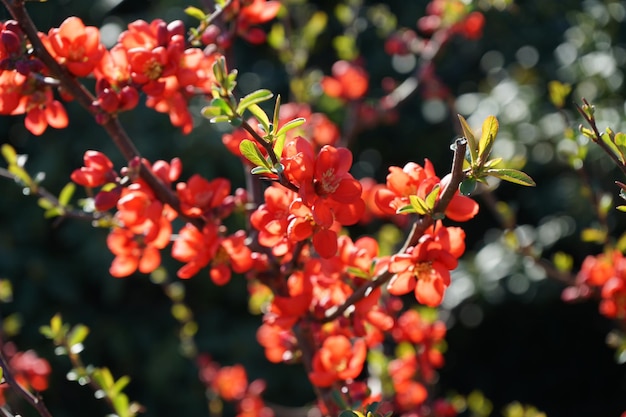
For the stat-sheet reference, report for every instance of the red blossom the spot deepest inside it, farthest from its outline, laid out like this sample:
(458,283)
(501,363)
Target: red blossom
(414,179)
(338,359)
(349,81)
(425,268)
(75,45)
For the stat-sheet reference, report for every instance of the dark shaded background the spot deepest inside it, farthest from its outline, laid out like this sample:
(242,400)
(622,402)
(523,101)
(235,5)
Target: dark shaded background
(512,345)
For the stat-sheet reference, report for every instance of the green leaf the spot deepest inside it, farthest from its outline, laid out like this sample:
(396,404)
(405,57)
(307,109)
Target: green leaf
(260,170)
(121,405)
(77,335)
(348,413)
(211,111)
(53,212)
(261,116)
(276,116)
(512,175)
(103,378)
(119,385)
(563,262)
(255,97)
(251,152)
(21,174)
(471,140)
(292,124)
(558,92)
(408,209)
(620,142)
(418,204)
(66,194)
(467,186)
(315,26)
(607,138)
(358,272)
(276,36)
(9,154)
(45,204)
(591,234)
(219,119)
(431,198)
(196,13)
(222,105)
(487,137)
(346,47)
(279,145)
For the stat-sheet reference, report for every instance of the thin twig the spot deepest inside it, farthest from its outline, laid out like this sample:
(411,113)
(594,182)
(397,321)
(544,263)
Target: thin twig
(33,400)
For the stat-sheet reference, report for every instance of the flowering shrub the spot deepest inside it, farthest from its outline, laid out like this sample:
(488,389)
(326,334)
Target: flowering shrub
(356,312)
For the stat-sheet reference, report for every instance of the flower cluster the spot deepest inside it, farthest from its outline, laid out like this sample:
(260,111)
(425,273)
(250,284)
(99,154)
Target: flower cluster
(605,273)
(149,57)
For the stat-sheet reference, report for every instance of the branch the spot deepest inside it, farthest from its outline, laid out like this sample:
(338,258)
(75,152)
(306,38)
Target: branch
(597,137)
(47,195)
(111,123)
(33,400)
(418,229)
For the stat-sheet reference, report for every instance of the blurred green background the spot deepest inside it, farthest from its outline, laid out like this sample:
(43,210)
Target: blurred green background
(510,334)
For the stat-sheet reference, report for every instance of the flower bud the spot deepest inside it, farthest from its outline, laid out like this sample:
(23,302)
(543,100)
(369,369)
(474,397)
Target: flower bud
(129,98)
(177,27)
(210,34)
(12,43)
(108,101)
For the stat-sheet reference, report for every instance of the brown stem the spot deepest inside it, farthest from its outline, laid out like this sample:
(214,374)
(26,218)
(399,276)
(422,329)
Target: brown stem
(48,196)
(597,137)
(33,400)
(418,229)
(111,124)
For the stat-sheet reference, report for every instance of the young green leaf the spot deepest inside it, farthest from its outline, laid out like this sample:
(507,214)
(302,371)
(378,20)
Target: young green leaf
(9,154)
(260,115)
(66,194)
(620,142)
(292,124)
(558,92)
(77,335)
(255,97)
(467,186)
(418,204)
(195,13)
(512,175)
(279,145)
(607,138)
(260,170)
(276,116)
(431,198)
(487,137)
(251,152)
(406,209)
(471,140)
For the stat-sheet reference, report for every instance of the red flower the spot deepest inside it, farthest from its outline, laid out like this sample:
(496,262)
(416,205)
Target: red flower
(425,268)
(338,359)
(98,170)
(137,252)
(196,248)
(231,382)
(414,179)
(76,46)
(349,81)
(326,188)
(271,219)
(198,196)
